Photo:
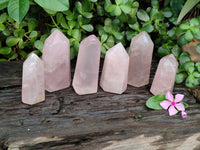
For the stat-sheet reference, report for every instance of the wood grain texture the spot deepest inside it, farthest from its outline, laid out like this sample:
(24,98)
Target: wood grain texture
(101,121)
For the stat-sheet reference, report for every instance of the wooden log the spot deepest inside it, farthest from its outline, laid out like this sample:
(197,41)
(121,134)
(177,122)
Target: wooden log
(67,121)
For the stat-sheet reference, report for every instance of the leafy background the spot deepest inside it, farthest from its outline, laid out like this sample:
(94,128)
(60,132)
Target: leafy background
(25,24)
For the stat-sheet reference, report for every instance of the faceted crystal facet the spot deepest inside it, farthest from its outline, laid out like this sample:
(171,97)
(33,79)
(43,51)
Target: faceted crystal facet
(114,75)
(165,75)
(56,57)
(33,90)
(85,79)
(140,54)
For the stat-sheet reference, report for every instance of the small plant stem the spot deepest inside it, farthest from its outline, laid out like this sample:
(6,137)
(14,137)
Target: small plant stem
(54,22)
(25,34)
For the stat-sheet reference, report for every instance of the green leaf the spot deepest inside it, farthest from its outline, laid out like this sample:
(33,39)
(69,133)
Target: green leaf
(163,51)
(111,8)
(3,17)
(59,17)
(23,54)
(196,74)
(72,24)
(118,2)
(32,24)
(5,50)
(180,77)
(3,4)
(198,48)
(88,27)
(76,34)
(39,45)
(189,66)
(21,44)
(176,51)
(117,11)
(11,41)
(33,34)
(100,10)
(118,35)
(69,15)
(167,12)
(3,60)
(110,41)
(103,51)
(184,26)
(188,36)
(172,34)
(142,15)
(93,1)
(87,15)
(191,81)
(63,23)
(194,29)
(135,4)
(2,27)
(179,30)
(126,8)
(186,8)
(198,66)
(13,56)
(50,12)
(79,7)
(154,101)
(155,3)
(184,59)
(55,5)
(182,41)
(194,22)
(104,38)
(148,28)
(185,104)
(17,9)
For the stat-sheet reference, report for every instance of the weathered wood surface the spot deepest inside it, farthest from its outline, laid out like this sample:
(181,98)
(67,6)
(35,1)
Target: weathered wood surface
(66,121)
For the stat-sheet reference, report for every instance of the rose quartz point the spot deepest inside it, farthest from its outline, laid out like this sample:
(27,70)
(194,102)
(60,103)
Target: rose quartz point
(56,57)
(140,53)
(165,75)
(33,89)
(86,74)
(114,75)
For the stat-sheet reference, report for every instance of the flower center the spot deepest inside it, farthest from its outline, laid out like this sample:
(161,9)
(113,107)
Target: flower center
(173,103)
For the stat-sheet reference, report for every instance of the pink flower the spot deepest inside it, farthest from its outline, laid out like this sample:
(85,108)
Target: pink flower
(173,104)
(183,114)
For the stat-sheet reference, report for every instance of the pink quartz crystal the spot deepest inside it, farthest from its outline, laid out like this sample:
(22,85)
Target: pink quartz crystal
(85,79)
(165,75)
(33,90)
(140,53)
(56,57)
(114,75)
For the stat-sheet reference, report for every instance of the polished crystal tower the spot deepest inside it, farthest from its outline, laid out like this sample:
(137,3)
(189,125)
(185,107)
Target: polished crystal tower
(86,74)
(33,89)
(165,75)
(114,75)
(56,58)
(140,53)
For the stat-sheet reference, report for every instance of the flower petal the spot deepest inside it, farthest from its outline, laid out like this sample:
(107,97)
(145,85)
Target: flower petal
(169,96)
(165,104)
(180,106)
(172,110)
(178,97)
(183,114)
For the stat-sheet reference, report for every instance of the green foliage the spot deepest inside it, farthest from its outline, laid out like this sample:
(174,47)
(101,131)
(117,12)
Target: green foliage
(17,9)
(154,101)
(186,8)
